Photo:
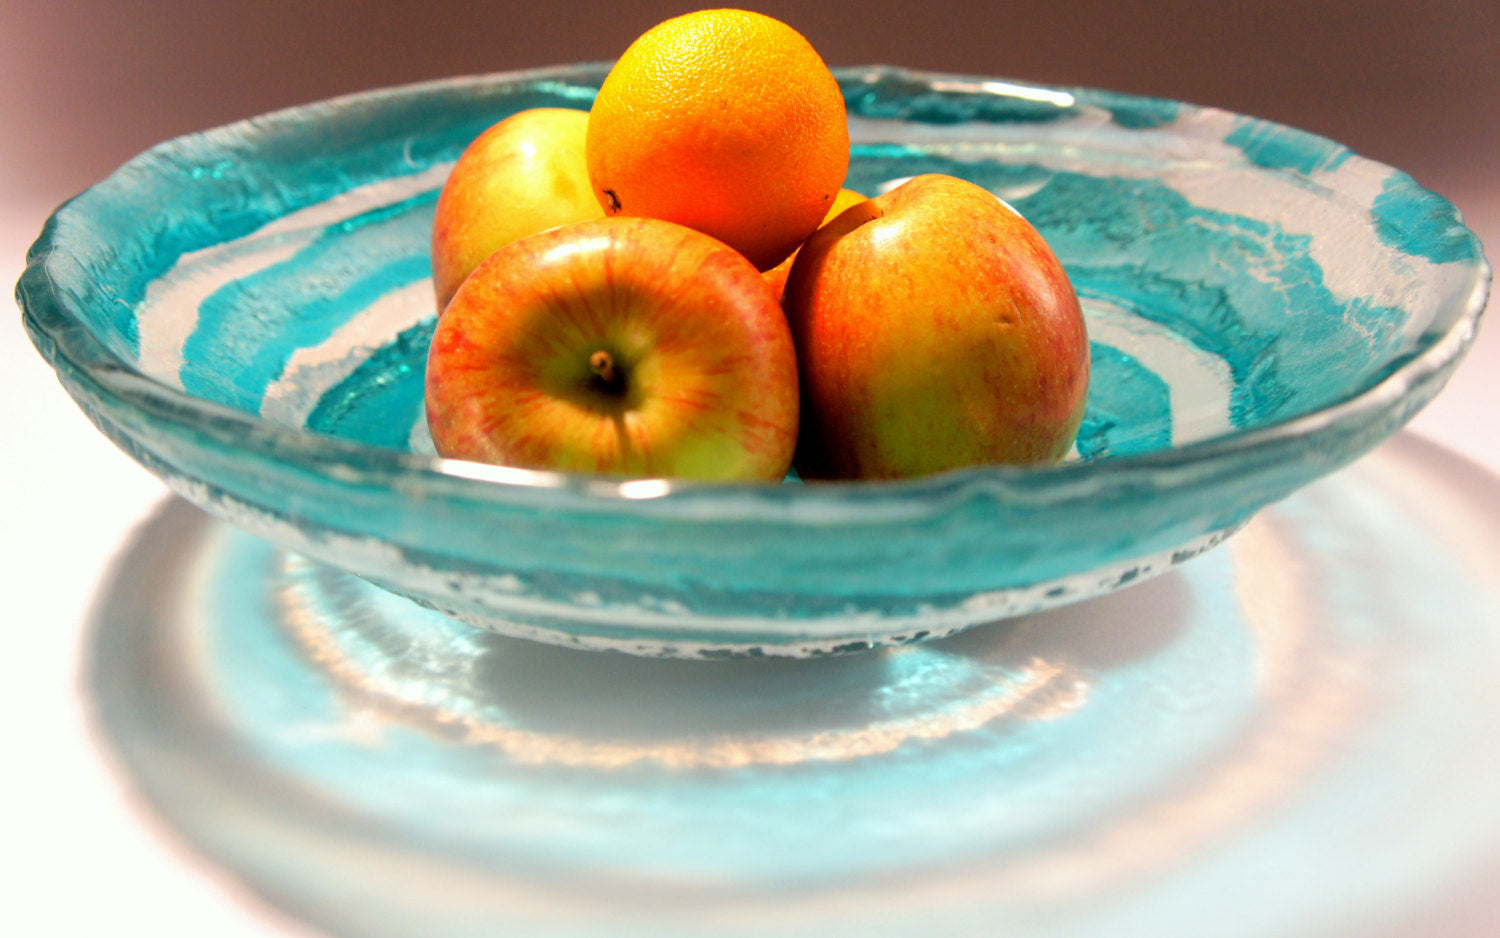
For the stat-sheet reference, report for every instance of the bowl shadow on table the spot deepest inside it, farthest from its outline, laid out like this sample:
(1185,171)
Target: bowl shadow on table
(447,679)
(588,708)
(225,751)
(615,693)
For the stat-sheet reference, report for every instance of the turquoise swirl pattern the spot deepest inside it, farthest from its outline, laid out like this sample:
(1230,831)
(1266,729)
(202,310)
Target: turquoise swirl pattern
(247,312)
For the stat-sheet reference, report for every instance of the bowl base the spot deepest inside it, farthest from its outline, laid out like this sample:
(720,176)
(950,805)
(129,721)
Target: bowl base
(635,631)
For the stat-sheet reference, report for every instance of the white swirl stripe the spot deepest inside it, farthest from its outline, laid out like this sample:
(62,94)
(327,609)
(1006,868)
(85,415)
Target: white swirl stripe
(169,313)
(312,371)
(1199,383)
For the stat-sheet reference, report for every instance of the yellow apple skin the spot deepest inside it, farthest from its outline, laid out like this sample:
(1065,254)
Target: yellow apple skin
(523,175)
(702,375)
(935,329)
(777,275)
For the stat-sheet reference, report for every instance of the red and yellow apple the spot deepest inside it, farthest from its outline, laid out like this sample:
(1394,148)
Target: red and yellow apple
(627,346)
(523,175)
(935,329)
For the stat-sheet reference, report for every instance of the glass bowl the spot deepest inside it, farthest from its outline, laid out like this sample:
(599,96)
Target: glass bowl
(246,312)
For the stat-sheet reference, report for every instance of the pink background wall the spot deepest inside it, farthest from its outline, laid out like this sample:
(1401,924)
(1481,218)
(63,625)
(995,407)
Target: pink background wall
(85,84)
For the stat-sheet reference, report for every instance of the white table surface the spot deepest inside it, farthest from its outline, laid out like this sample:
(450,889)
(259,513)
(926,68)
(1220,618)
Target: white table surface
(84,859)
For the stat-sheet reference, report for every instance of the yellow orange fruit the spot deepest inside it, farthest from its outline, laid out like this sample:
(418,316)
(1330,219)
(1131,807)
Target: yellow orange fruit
(725,121)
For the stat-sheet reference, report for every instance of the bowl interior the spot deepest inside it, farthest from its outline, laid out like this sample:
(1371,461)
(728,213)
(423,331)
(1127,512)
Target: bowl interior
(1235,274)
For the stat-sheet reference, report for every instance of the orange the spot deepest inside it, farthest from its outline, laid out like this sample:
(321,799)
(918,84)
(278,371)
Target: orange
(725,121)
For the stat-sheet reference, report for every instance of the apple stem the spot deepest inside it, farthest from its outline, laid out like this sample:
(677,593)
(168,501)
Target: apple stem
(602,364)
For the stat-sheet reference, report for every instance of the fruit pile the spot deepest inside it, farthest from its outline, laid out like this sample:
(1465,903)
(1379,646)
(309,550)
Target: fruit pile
(676,284)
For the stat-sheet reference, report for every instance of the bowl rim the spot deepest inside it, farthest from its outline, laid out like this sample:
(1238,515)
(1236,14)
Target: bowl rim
(73,349)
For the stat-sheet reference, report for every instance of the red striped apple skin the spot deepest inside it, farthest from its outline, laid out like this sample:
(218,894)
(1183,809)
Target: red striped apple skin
(623,346)
(935,329)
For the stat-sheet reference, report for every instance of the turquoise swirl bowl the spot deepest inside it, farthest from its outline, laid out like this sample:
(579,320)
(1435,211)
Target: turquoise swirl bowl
(246,312)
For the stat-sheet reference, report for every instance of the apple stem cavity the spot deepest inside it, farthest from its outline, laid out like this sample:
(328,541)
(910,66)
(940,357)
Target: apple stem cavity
(606,376)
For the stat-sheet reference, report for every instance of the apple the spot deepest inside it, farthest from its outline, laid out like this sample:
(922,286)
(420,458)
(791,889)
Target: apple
(935,329)
(627,346)
(777,275)
(523,175)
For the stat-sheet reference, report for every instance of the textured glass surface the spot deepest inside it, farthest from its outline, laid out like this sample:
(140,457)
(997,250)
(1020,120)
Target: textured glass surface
(246,312)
